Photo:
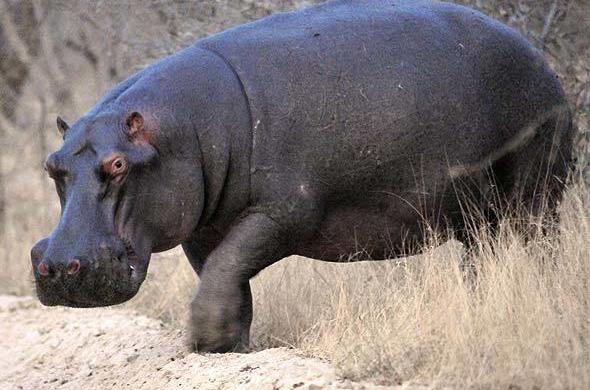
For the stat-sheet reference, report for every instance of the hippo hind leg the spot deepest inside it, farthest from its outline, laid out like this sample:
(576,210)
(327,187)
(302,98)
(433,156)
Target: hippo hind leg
(532,179)
(527,183)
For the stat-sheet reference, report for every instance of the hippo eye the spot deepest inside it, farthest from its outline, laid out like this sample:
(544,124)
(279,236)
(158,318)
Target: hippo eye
(118,166)
(114,167)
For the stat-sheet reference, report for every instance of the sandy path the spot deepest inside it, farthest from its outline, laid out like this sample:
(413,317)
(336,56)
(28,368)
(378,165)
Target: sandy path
(60,348)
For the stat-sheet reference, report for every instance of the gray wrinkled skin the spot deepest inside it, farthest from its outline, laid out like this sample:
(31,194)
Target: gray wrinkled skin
(336,132)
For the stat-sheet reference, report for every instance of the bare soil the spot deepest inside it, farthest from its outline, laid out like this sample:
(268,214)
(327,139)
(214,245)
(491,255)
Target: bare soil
(61,348)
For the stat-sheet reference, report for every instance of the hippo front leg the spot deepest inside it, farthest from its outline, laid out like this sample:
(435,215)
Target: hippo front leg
(200,246)
(195,256)
(222,309)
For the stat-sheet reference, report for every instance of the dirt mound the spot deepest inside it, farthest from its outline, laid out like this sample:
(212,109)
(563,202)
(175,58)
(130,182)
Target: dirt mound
(60,348)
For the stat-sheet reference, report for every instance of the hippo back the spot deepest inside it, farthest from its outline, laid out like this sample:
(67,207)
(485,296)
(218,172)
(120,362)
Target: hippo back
(364,88)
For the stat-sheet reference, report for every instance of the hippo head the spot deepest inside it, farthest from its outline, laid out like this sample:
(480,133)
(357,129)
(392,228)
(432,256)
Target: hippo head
(121,200)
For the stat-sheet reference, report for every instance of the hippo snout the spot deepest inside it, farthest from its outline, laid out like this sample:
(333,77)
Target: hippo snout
(45,267)
(100,276)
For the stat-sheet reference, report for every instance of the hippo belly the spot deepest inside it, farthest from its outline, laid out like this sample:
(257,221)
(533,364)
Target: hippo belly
(356,232)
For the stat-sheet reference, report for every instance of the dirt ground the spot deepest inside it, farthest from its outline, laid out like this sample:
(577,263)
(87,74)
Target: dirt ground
(60,348)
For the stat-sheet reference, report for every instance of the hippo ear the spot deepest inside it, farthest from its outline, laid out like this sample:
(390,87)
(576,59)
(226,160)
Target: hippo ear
(135,128)
(62,126)
(134,123)
(139,133)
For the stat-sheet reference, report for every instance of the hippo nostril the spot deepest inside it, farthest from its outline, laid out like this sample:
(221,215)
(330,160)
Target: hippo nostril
(43,269)
(73,267)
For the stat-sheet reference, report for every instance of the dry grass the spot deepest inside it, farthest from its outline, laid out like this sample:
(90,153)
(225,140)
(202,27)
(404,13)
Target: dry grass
(525,323)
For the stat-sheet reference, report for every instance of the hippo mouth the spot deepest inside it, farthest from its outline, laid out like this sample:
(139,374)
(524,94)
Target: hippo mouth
(63,296)
(59,300)
(132,257)
(110,282)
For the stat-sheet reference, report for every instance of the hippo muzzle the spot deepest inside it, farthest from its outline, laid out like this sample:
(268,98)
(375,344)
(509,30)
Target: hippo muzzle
(109,274)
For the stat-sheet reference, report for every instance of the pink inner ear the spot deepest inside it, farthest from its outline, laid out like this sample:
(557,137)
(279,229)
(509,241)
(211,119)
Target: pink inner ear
(135,123)
(138,133)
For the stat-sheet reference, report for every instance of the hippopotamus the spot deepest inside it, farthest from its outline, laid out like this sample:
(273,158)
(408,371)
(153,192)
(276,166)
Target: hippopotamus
(344,132)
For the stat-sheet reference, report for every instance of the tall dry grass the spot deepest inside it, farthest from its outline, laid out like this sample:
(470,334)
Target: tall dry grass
(524,322)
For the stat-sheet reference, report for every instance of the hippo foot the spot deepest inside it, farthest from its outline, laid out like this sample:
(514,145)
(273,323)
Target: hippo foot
(221,322)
